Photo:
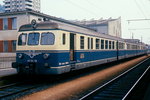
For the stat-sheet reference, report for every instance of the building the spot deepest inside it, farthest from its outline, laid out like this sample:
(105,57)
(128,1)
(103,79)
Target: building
(1,8)
(11,21)
(132,40)
(21,5)
(105,26)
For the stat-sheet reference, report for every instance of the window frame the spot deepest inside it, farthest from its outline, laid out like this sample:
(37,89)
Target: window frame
(63,39)
(92,43)
(82,38)
(102,44)
(106,44)
(89,43)
(47,33)
(110,44)
(25,39)
(97,43)
(38,38)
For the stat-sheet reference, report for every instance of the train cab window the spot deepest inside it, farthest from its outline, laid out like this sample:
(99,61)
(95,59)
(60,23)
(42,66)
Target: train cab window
(82,42)
(33,38)
(63,39)
(47,38)
(110,44)
(97,43)
(106,44)
(22,39)
(102,44)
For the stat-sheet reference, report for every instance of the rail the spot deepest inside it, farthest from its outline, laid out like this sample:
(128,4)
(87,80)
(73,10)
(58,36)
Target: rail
(119,87)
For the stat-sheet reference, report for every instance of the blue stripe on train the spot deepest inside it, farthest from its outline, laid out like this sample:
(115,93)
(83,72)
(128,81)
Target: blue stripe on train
(61,59)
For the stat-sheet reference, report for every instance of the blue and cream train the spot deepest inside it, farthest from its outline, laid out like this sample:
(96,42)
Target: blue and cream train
(56,48)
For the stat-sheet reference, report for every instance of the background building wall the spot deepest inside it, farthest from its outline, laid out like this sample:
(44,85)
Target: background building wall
(8,35)
(104,26)
(1,8)
(21,5)
(114,27)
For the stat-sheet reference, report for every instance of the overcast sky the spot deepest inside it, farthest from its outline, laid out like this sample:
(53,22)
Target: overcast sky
(96,9)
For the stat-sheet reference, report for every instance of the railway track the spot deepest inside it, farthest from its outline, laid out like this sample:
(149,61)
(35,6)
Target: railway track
(120,87)
(15,88)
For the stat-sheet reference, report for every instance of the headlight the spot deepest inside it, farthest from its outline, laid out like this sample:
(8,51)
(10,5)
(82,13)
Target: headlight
(45,56)
(20,56)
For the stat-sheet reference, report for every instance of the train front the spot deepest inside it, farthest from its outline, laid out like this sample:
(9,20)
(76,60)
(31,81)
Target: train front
(34,46)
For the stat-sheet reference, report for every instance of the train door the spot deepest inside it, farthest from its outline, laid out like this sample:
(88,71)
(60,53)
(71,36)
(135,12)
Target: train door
(72,50)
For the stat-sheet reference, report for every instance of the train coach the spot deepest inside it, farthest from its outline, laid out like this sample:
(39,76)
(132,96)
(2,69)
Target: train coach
(56,48)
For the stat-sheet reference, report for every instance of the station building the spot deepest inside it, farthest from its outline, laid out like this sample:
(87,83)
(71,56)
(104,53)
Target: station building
(105,26)
(9,26)
(11,21)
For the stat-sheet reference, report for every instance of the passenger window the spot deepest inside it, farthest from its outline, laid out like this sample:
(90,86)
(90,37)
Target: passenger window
(102,44)
(97,43)
(47,38)
(82,42)
(113,45)
(88,43)
(106,44)
(64,39)
(22,39)
(91,43)
(109,44)
(120,45)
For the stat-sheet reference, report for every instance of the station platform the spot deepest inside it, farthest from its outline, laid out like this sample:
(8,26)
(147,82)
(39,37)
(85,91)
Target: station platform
(5,64)
(7,72)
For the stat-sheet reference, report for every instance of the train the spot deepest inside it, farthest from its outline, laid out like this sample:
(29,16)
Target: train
(56,48)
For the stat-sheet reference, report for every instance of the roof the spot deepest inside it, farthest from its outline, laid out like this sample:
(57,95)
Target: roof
(42,15)
(67,27)
(101,22)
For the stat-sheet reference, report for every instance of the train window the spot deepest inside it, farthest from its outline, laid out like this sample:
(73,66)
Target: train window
(128,47)
(22,39)
(97,43)
(110,44)
(33,38)
(121,45)
(88,43)
(91,43)
(106,44)
(102,44)
(113,45)
(47,38)
(64,39)
(82,42)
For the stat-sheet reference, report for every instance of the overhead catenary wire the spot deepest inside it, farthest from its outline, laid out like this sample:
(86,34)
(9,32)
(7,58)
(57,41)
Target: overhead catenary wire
(139,29)
(81,7)
(139,7)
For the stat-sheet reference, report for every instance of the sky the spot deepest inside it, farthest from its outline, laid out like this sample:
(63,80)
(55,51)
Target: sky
(97,9)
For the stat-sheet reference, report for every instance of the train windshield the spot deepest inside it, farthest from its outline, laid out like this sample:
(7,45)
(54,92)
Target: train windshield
(47,38)
(33,38)
(22,39)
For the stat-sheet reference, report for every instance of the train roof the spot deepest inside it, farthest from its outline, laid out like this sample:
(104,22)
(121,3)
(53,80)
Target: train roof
(47,25)
(67,27)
